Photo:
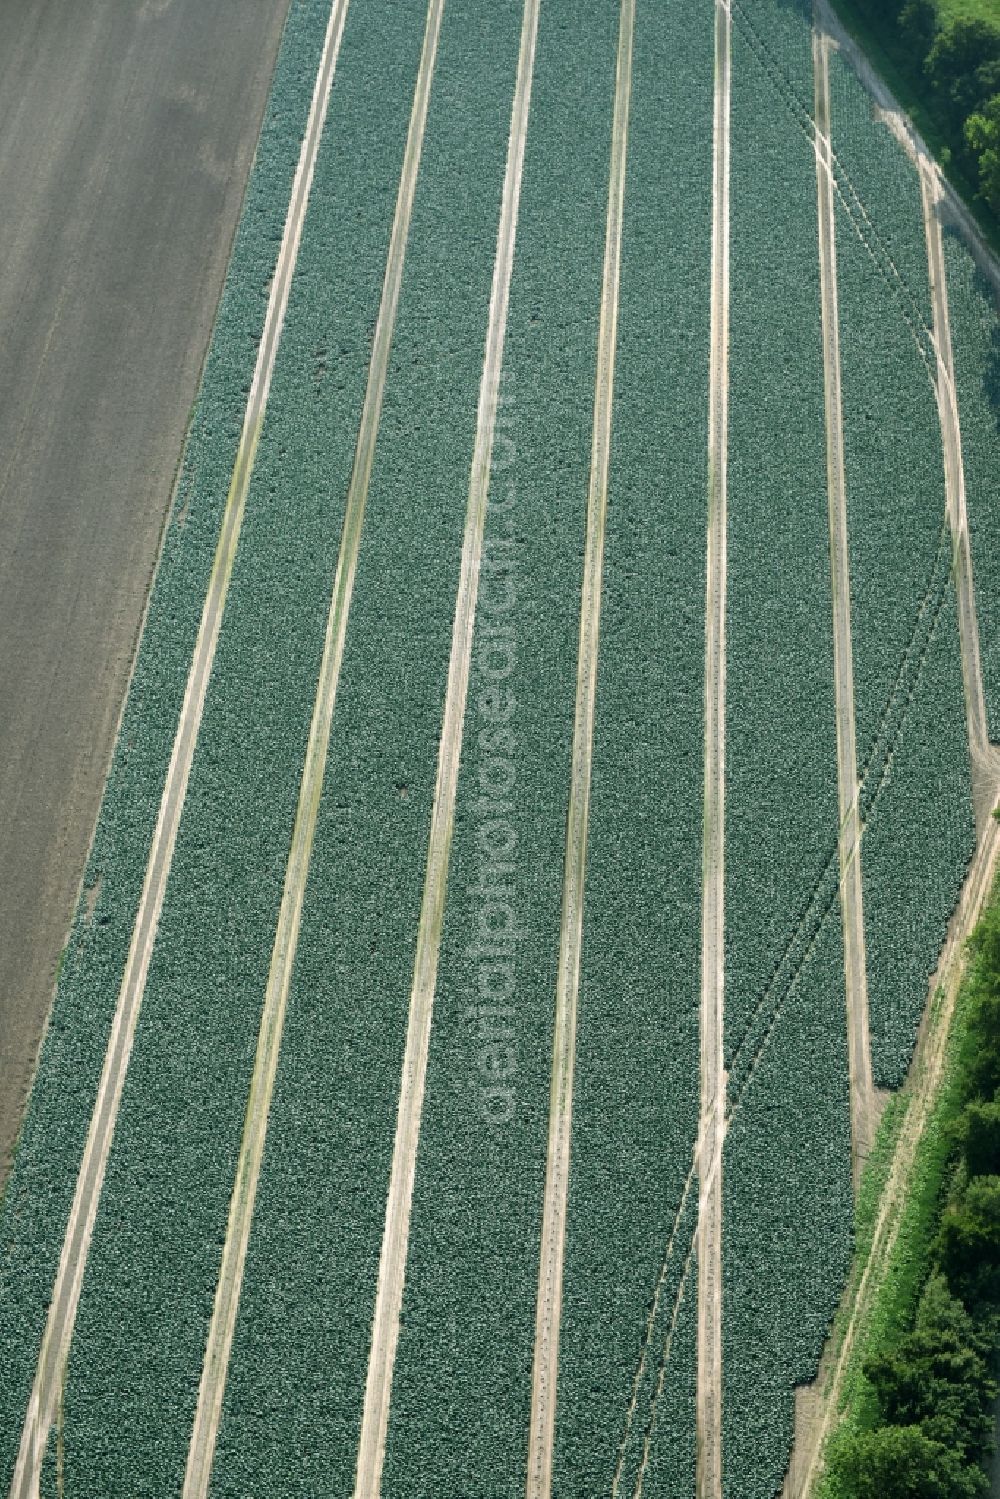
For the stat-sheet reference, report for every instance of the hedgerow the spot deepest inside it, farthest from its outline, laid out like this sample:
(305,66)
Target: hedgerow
(910,713)
(636,1107)
(975,332)
(39,1191)
(787,1157)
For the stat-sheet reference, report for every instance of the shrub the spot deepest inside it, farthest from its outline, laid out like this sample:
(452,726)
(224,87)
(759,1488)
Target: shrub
(901,1462)
(937,1377)
(963,66)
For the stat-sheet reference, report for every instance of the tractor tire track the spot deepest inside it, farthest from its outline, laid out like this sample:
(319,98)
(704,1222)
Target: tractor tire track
(712,1129)
(647,1338)
(851,897)
(922,1084)
(56,1339)
(767,1011)
(847,194)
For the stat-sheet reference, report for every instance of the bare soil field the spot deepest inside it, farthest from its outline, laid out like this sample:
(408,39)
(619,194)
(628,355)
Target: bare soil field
(126,135)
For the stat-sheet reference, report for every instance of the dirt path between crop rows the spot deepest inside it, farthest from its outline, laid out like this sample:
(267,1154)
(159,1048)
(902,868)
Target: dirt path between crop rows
(215,1368)
(712,1129)
(545,1372)
(44,1399)
(985,757)
(851,895)
(395,1240)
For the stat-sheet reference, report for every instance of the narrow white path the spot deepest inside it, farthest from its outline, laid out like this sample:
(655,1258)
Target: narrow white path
(396,1233)
(208,1413)
(545,1375)
(713,1075)
(45,1394)
(851,895)
(985,758)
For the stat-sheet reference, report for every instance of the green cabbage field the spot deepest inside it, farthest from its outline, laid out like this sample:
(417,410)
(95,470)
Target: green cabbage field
(722,188)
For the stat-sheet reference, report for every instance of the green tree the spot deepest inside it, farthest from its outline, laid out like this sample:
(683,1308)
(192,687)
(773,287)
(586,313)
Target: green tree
(982,136)
(937,1377)
(918,25)
(969,1244)
(964,67)
(979,1133)
(901,1462)
(942,1312)
(981,1050)
(883,13)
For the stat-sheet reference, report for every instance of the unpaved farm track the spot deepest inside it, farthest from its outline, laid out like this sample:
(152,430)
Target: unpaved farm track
(851,900)
(545,1371)
(712,1129)
(43,1402)
(126,135)
(984,756)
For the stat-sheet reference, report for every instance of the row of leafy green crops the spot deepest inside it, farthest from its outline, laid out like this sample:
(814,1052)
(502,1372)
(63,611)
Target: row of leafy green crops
(873,179)
(892,435)
(39,1191)
(462,1392)
(787,1223)
(786,1165)
(912,746)
(154,1262)
(626,1383)
(974,307)
(293,1406)
(878,186)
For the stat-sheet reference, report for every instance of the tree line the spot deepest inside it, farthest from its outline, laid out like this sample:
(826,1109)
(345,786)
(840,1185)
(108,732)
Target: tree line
(936,1387)
(960,61)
